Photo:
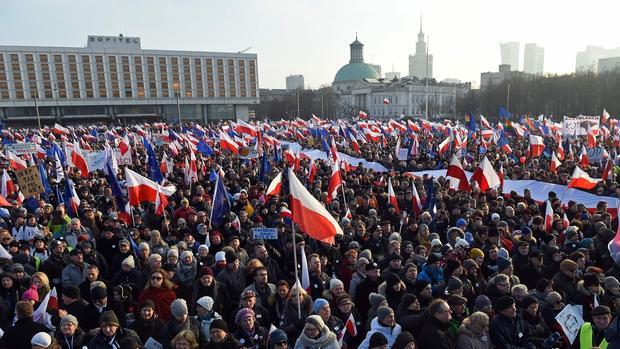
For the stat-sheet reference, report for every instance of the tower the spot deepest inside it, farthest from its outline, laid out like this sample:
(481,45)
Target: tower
(357,51)
(418,61)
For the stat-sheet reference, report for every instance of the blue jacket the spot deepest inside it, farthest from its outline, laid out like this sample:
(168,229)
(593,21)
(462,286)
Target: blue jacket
(435,278)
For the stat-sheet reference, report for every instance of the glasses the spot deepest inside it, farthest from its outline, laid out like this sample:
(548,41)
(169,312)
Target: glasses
(157,278)
(6,239)
(311,329)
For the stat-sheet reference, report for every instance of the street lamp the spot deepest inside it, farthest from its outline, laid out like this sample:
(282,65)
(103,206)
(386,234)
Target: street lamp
(35,95)
(177,93)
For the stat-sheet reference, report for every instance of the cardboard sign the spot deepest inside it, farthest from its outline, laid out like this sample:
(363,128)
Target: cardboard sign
(265,233)
(570,320)
(30,181)
(22,148)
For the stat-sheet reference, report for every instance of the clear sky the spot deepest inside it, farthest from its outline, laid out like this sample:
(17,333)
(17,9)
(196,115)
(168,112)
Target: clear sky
(311,37)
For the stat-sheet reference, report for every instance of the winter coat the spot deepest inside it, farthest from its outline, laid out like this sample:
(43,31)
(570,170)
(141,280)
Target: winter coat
(162,297)
(229,342)
(18,336)
(435,334)
(536,327)
(509,333)
(586,299)
(173,327)
(566,286)
(215,291)
(73,274)
(467,339)
(205,323)
(389,333)
(77,341)
(234,283)
(434,277)
(612,335)
(148,328)
(257,340)
(327,340)
(101,342)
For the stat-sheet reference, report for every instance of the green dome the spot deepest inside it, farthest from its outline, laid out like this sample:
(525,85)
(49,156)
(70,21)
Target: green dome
(355,72)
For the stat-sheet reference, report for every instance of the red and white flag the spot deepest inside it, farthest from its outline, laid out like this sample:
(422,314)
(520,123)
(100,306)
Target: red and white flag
(443,146)
(565,222)
(79,160)
(124,145)
(549,218)
(227,143)
(275,186)
(485,176)
(501,176)
(584,161)
(309,214)
(285,213)
(416,203)
(335,181)
(362,115)
(305,274)
(554,163)
(164,166)
(312,170)
(484,122)
(608,171)
(591,137)
(561,153)
(244,127)
(386,101)
(15,161)
(456,175)
(604,117)
(8,188)
(140,189)
(350,326)
(59,130)
(537,145)
(581,180)
(392,196)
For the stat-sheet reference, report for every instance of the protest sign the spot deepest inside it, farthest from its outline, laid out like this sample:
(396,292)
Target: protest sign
(29,181)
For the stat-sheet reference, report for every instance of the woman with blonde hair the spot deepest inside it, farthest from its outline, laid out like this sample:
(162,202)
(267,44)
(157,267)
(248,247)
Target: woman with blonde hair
(292,322)
(185,340)
(251,266)
(159,291)
(42,282)
(474,332)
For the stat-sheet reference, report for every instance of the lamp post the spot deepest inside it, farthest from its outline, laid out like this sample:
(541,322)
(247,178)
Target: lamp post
(177,93)
(36,106)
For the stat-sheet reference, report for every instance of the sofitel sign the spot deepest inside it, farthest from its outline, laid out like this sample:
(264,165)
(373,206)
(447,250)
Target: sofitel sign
(95,40)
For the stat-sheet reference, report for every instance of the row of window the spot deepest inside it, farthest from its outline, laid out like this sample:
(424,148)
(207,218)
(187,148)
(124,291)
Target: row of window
(416,98)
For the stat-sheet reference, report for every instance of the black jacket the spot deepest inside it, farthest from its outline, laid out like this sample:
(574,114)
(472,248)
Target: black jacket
(566,286)
(100,342)
(509,333)
(148,328)
(229,342)
(435,334)
(77,341)
(173,327)
(19,335)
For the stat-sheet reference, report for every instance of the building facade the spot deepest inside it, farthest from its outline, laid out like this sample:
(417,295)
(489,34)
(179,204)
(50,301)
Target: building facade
(608,64)
(510,54)
(114,78)
(356,70)
(421,63)
(587,60)
(533,59)
(294,82)
(494,78)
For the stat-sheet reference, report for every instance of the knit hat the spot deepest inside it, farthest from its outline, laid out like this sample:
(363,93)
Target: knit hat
(109,318)
(527,301)
(375,300)
(432,258)
(570,232)
(553,297)
(129,262)
(23,309)
(461,243)
(361,262)
(243,313)
(17,267)
(31,294)
(178,307)
(71,291)
(98,293)
(205,271)
(383,312)
(611,282)
(503,303)
(591,279)
(219,324)
(503,263)
(277,336)
(231,256)
(335,283)
(482,301)
(41,339)
(318,304)
(454,283)
(148,304)
(185,254)
(403,339)
(436,242)
(568,265)
(205,302)
(475,252)
(220,256)
(377,339)
(69,319)
(419,286)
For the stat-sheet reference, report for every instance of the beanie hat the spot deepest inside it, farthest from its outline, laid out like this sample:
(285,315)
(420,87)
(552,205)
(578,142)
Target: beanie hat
(23,309)
(148,304)
(590,279)
(383,312)
(436,242)
(70,319)
(454,283)
(41,339)
(407,300)
(568,265)
(277,336)
(361,262)
(377,339)
(109,318)
(553,297)
(31,294)
(186,253)
(570,232)
(475,252)
(178,307)
(503,263)
(219,324)
(419,286)
(231,256)
(527,301)
(220,256)
(502,252)
(205,271)
(503,303)
(318,304)
(611,282)
(432,258)
(403,339)
(366,254)
(205,302)
(129,262)
(98,293)
(335,283)
(71,291)
(455,299)
(375,300)
(243,313)
(482,301)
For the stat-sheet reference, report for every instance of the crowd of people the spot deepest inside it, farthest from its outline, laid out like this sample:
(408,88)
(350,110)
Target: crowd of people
(470,270)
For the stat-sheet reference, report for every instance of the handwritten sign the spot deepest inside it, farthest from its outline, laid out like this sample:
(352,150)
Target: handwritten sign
(265,233)
(22,148)
(123,159)
(570,320)
(30,181)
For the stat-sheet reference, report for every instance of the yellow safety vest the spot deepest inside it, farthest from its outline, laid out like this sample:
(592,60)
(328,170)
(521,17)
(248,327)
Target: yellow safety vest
(585,337)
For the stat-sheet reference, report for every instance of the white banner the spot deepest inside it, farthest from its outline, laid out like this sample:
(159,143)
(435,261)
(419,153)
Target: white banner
(403,154)
(578,126)
(570,319)
(96,160)
(123,159)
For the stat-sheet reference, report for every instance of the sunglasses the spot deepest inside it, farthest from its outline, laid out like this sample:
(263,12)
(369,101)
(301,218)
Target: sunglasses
(157,278)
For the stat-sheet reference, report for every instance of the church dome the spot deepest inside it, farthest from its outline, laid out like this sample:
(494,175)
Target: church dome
(355,72)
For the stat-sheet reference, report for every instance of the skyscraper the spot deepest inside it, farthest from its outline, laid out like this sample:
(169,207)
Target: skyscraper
(510,54)
(418,61)
(533,59)
(294,82)
(588,60)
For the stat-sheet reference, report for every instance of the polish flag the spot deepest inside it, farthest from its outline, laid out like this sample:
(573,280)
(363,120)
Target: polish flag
(41,315)
(386,101)
(591,137)
(333,151)
(581,180)
(397,125)
(484,122)
(561,153)
(604,117)
(59,130)
(391,196)
(165,168)
(416,202)
(584,161)
(286,213)
(607,171)
(413,126)
(565,222)
(244,127)
(350,326)
(8,188)
(275,186)
(15,161)
(227,143)
(124,145)
(79,160)
(554,164)
(309,214)
(353,142)
(334,183)
(140,189)
(312,171)
(501,176)
(456,175)
(485,176)
(443,146)
(487,134)
(362,115)
(537,146)
(372,136)
(549,218)
(193,167)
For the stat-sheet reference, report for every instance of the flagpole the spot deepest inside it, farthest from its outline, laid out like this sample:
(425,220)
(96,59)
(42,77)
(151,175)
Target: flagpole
(295,261)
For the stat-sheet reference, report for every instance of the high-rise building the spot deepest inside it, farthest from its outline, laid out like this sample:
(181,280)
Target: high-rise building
(114,78)
(421,63)
(588,60)
(294,82)
(510,54)
(392,75)
(533,59)
(608,64)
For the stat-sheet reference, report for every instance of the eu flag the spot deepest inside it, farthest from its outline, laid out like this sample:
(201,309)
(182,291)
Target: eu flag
(221,205)
(154,170)
(430,203)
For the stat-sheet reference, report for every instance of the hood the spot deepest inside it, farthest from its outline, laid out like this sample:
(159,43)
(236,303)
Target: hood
(327,337)
(387,331)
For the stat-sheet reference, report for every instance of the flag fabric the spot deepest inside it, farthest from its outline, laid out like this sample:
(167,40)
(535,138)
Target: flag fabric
(312,170)
(362,115)
(140,189)
(305,274)
(350,326)
(221,204)
(416,203)
(40,315)
(153,165)
(503,143)
(15,161)
(443,146)
(244,127)
(501,176)
(565,221)
(79,160)
(584,161)
(227,143)
(386,101)
(549,218)
(59,130)
(286,213)
(554,163)
(608,170)
(560,151)
(72,200)
(456,175)
(309,214)
(485,176)
(591,137)
(484,122)
(204,148)
(392,196)
(537,145)
(335,181)
(275,186)
(8,188)
(44,180)
(431,202)
(265,168)
(117,192)
(581,180)
(604,117)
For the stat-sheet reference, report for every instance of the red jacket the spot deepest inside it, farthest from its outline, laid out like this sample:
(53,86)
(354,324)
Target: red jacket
(162,297)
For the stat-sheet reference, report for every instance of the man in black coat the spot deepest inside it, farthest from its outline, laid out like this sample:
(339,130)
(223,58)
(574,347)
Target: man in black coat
(363,290)
(508,331)
(18,336)
(89,318)
(533,271)
(435,333)
(55,263)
